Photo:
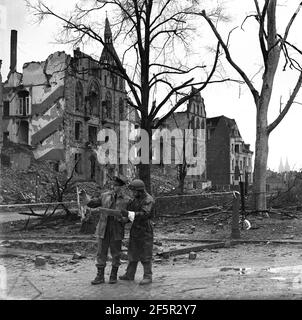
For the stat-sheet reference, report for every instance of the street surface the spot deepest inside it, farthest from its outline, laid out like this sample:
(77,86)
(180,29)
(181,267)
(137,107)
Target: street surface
(266,271)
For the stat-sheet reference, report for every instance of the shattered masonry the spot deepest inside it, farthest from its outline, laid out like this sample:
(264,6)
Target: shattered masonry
(58,106)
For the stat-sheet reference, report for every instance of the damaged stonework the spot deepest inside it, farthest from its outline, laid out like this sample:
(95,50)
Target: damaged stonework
(1,109)
(59,105)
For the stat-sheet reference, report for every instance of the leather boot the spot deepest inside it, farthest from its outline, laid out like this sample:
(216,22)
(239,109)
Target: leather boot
(99,277)
(113,275)
(130,273)
(147,273)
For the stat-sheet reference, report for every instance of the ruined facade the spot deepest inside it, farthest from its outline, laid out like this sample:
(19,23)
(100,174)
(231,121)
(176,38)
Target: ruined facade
(1,105)
(1,109)
(59,105)
(194,117)
(226,150)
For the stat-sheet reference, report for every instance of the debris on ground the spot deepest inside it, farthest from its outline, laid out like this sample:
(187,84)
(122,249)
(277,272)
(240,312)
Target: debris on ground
(78,256)
(40,261)
(192,255)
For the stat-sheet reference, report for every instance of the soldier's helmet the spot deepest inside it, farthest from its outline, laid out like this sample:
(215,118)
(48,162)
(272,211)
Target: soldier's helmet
(137,185)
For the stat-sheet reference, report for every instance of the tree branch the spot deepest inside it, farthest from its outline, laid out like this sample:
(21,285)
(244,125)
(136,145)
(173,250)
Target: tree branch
(230,60)
(289,103)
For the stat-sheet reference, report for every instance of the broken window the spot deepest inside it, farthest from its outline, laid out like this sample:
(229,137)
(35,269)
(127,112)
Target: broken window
(108,110)
(5,108)
(79,96)
(23,132)
(92,167)
(23,104)
(78,163)
(77,130)
(121,109)
(94,98)
(92,134)
(5,137)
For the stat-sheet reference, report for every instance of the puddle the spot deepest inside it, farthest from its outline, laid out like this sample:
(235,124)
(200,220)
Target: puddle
(279,278)
(239,270)
(286,269)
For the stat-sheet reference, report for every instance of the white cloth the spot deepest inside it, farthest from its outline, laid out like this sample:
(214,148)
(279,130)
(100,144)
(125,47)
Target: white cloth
(131,215)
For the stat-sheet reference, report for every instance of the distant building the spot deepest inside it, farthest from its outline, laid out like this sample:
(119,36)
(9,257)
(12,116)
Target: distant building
(281,167)
(226,150)
(286,166)
(194,117)
(59,105)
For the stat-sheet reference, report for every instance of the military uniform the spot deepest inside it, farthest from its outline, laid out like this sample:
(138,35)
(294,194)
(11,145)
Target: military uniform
(110,230)
(141,235)
(141,232)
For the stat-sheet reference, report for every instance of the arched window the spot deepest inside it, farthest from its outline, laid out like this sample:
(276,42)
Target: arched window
(193,108)
(78,96)
(197,125)
(108,110)
(200,110)
(202,126)
(121,109)
(192,123)
(94,98)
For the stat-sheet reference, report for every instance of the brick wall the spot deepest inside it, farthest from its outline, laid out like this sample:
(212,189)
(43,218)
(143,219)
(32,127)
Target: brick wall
(218,155)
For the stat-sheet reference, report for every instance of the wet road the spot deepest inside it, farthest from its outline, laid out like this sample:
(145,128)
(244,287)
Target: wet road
(240,272)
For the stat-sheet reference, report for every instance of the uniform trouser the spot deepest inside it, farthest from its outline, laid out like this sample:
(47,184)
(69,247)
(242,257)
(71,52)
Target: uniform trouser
(140,250)
(115,250)
(132,266)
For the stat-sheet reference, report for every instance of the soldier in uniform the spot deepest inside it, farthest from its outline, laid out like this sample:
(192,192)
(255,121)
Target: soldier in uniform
(140,211)
(110,229)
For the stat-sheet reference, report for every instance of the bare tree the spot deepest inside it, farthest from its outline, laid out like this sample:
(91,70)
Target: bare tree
(155,33)
(272,45)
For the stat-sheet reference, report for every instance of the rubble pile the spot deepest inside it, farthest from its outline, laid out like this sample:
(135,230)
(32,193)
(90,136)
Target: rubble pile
(38,182)
(31,185)
(290,195)
(162,184)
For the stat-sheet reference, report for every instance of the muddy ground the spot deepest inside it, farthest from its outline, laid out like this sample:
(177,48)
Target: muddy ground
(252,270)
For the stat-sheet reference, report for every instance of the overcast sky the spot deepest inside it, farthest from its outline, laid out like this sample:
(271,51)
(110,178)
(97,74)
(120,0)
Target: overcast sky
(36,42)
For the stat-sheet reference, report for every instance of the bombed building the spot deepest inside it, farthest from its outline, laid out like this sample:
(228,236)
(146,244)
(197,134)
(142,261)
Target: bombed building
(59,105)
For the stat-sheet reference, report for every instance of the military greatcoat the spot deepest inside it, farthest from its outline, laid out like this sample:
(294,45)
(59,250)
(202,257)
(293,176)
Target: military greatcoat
(141,232)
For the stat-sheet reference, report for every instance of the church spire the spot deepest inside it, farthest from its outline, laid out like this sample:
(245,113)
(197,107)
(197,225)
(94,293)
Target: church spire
(281,167)
(107,33)
(286,167)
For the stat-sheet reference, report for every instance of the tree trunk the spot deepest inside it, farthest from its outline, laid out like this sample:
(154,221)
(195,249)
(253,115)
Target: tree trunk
(144,170)
(182,176)
(144,173)
(260,166)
